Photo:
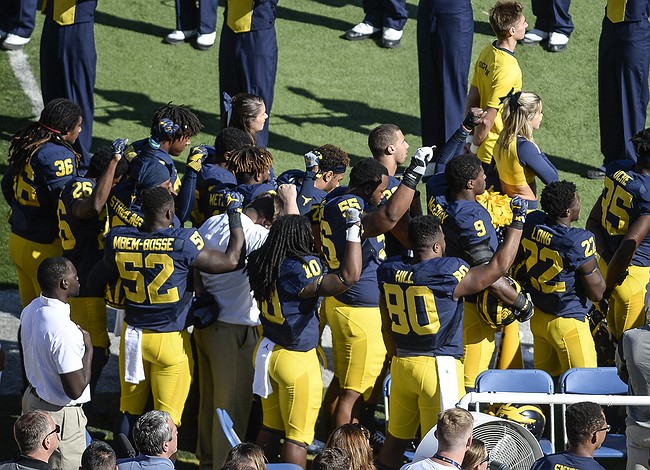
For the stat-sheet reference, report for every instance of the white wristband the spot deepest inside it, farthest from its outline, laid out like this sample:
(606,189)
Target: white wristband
(353,234)
(473,148)
(469,139)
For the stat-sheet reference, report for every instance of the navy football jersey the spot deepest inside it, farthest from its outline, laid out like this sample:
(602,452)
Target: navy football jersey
(288,320)
(308,203)
(546,265)
(566,461)
(210,180)
(425,318)
(465,224)
(122,206)
(436,186)
(153,269)
(82,239)
(332,230)
(217,202)
(625,198)
(139,147)
(36,191)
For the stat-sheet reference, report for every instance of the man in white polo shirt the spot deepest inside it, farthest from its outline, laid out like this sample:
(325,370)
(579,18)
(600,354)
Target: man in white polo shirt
(225,346)
(57,355)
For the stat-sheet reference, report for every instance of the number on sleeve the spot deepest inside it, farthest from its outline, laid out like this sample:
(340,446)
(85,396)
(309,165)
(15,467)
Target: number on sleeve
(197,239)
(63,167)
(590,246)
(312,268)
(479,226)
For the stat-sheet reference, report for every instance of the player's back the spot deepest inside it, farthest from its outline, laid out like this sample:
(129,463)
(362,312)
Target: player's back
(154,269)
(426,320)
(548,257)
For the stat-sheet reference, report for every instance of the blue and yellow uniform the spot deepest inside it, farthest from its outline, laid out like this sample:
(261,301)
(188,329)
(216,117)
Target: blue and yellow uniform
(248,53)
(292,324)
(353,316)
(469,235)
(309,197)
(426,322)
(623,62)
(496,73)
(625,198)
(83,244)
(216,203)
(444,38)
(141,150)
(211,177)
(154,268)
(34,225)
(519,165)
(69,61)
(546,265)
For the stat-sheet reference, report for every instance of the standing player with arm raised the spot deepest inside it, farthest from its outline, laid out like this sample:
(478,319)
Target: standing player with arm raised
(287,280)
(82,225)
(153,263)
(353,316)
(620,220)
(496,73)
(470,235)
(557,265)
(422,319)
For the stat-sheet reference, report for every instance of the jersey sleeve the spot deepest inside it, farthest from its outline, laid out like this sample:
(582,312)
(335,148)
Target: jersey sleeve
(582,250)
(531,157)
(56,167)
(193,245)
(296,274)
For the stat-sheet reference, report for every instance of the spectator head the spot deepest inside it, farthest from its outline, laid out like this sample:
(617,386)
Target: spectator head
(507,20)
(454,429)
(246,456)
(387,140)
(476,457)
(36,434)
(353,439)
(332,458)
(155,434)
(585,425)
(98,456)
(57,277)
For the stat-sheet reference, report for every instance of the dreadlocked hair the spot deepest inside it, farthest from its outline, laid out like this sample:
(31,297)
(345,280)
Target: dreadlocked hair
(249,160)
(58,118)
(188,122)
(289,237)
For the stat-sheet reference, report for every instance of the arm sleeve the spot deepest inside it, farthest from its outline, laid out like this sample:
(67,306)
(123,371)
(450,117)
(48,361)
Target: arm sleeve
(305,196)
(185,199)
(530,156)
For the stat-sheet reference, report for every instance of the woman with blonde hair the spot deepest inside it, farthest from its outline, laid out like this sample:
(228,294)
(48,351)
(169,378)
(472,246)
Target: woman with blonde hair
(246,456)
(518,158)
(353,438)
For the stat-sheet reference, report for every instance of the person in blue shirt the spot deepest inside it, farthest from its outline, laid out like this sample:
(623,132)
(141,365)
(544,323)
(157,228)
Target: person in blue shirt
(586,429)
(287,280)
(156,438)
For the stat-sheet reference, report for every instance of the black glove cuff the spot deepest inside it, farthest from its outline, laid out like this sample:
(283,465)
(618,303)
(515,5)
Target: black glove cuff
(521,302)
(410,179)
(517,225)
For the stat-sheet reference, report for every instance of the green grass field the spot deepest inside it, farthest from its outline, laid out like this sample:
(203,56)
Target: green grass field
(328,90)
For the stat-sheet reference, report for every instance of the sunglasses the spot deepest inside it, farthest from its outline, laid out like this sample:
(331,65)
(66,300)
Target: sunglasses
(57,430)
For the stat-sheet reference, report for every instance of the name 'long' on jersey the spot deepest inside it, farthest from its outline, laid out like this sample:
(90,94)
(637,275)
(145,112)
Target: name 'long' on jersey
(425,318)
(626,197)
(365,292)
(288,320)
(153,269)
(546,265)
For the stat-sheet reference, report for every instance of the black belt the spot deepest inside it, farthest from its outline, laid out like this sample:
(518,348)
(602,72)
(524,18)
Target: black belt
(32,390)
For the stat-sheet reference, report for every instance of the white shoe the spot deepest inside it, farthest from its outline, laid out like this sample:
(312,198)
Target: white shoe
(557,42)
(534,36)
(391,37)
(361,31)
(177,36)
(206,41)
(13,42)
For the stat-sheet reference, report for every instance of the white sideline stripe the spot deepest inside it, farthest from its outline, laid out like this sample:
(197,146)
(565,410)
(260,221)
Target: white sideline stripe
(23,72)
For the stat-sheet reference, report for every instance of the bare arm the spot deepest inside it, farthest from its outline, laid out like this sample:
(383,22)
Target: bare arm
(621,259)
(74,383)
(483,127)
(592,280)
(288,194)
(473,99)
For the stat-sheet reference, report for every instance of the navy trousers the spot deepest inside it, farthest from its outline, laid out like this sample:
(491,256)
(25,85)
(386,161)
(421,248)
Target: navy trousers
(553,15)
(202,17)
(385,13)
(623,62)
(248,63)
(445,31)
(18,16)
(68,66)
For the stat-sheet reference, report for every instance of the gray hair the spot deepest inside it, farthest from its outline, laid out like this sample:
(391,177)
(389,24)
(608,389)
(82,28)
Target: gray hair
(30,429)
(151,431)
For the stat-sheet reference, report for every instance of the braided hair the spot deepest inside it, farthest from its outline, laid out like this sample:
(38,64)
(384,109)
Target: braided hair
(188,122)
(289,237)
(249,160)
(58,118)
